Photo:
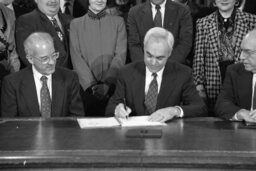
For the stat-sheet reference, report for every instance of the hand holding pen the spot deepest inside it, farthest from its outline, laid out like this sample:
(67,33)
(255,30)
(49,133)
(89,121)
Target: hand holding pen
(122,110)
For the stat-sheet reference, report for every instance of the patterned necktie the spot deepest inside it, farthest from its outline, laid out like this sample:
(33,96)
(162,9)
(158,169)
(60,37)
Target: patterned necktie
(45,99)
(67,6)
(254,98)
(158,17)
(151,97)
(57,28)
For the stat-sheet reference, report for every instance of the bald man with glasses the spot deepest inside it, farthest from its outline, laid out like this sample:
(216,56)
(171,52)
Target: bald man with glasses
(41,90)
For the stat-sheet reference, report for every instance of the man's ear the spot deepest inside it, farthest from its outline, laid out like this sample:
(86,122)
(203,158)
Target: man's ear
(30,59)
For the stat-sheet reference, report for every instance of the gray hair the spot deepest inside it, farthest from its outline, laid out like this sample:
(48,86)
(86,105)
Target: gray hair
(34,39)
(160,34)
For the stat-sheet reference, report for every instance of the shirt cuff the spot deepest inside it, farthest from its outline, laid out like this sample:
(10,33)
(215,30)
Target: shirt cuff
(181,111)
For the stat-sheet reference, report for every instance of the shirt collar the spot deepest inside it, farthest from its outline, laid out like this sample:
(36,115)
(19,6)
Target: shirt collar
(159,73)
(38,75)
(162,5)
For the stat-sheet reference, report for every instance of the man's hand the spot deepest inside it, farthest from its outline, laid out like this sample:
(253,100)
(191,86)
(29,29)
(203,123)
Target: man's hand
(246,115)
(120,111)
(165,114)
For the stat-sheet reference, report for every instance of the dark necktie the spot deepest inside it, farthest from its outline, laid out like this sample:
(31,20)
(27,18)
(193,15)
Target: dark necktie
(45,99)
(254,98)
(158,17)
(67,6)
(151,97)
(57,28)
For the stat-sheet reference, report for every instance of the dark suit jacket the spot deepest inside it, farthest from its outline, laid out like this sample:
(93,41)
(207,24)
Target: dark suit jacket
(177,88)
(236,92)
(19,97)
(37,21)
(177,20)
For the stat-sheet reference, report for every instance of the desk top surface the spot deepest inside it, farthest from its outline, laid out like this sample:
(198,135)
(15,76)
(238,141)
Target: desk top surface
(184,141)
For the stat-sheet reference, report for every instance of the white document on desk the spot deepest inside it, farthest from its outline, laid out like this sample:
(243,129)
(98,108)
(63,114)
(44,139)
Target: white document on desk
(135,121)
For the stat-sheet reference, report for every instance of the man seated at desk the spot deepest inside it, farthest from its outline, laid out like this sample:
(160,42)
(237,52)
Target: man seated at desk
(237,99)
(155,87)
(41,89)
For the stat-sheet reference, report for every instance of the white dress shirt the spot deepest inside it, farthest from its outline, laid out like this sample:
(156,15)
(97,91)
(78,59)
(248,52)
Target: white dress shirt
(39,84)
(162,9)
(62,5)
(149,77)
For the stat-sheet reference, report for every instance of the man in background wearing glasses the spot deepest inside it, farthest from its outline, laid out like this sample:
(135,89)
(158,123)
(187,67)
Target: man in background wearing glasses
(237,100)
(42,89)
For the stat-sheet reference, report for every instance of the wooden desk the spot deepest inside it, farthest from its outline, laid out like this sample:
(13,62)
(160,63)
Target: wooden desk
(199,143)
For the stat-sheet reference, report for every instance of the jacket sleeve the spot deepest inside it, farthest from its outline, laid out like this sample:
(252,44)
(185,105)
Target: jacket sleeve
(185,38)
(9,105)
(120,52)
(79,62)
(226,105)
(134,42)
(76,107)
(198,62)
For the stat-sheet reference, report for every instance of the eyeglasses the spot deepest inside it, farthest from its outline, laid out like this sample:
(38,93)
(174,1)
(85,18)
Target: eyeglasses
(46,59)
(248,52)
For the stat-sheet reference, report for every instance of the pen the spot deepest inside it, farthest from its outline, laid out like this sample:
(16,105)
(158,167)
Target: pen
(125,107)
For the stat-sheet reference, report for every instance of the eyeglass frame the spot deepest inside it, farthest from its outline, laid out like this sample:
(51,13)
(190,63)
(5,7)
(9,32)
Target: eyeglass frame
(48,57)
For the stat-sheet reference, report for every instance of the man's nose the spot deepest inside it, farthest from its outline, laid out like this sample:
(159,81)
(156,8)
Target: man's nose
(243,56)
(153,61)
(51,61)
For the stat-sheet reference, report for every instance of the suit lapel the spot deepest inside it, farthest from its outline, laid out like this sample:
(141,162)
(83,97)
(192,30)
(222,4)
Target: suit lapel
(166,89)
(241,30)
(245,86)
(28,89)
(58,93)
(139,87)
(147,17)
(168,16)
(212,29)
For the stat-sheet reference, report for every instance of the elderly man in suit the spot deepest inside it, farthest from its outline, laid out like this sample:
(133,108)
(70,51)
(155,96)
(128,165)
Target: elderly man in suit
(173,16)
(237,99)
(45,18)
(157,87)
(42,89)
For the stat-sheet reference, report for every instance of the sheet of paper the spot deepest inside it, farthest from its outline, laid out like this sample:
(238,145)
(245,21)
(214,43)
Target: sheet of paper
(136,121)
(97,122)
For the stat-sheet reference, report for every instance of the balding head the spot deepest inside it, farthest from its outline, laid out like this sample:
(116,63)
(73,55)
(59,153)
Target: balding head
(37,41)
(248,55)
(40,52)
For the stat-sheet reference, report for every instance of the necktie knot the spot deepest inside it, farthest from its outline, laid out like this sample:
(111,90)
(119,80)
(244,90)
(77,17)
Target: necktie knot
(154,75)
(44,79)
(158,7)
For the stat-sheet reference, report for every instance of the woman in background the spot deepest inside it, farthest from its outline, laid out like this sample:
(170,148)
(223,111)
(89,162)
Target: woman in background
(98,45)
(217,45)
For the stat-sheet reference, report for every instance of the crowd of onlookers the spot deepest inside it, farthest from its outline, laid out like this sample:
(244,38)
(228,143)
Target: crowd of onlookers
(97,38)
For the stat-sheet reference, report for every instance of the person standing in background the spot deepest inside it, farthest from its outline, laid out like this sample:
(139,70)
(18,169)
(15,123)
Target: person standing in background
(98,45)
(217,45)
(173,16)
(46,18)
